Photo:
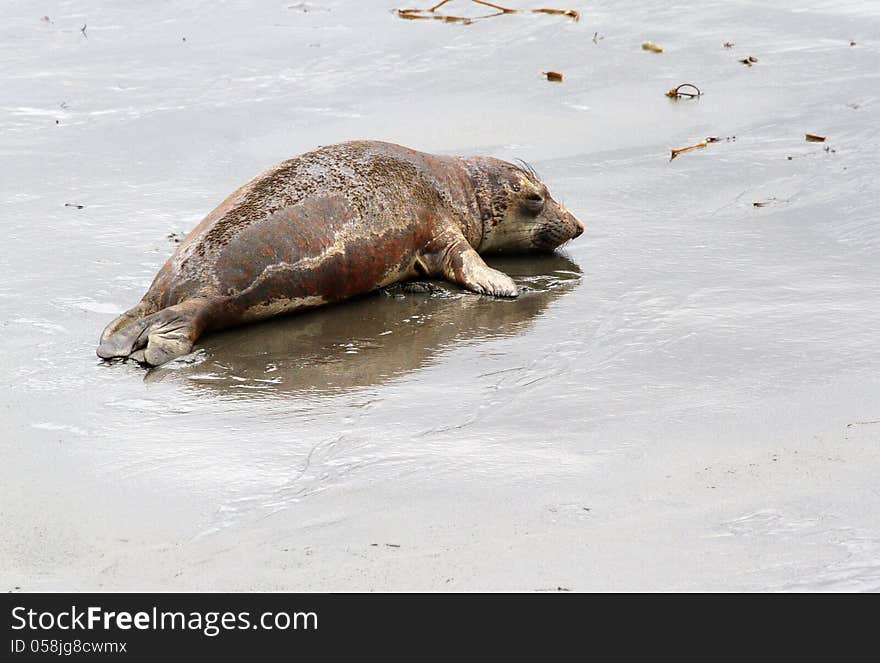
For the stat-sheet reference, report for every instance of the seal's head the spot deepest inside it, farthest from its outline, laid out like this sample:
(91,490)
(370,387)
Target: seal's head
(517,212)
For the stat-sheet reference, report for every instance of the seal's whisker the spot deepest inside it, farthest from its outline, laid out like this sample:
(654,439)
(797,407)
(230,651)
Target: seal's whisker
(527,169)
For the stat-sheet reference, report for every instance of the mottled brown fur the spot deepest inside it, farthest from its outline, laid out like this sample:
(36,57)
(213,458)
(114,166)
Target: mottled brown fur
(333,223)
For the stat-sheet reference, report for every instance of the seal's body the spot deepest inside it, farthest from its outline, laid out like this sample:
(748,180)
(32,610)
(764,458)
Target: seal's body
(334,223)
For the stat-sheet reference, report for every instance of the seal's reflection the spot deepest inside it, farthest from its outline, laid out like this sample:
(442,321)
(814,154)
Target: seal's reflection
(370,340)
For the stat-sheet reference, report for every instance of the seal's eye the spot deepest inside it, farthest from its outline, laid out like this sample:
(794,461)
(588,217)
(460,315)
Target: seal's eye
(534,202)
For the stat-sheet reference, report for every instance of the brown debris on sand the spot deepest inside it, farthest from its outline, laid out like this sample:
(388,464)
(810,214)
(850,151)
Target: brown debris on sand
(431,12)
(415,14)
(676,151)
(685,90)
(571,13)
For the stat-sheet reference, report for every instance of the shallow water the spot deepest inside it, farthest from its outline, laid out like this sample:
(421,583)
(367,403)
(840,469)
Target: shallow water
(686,399)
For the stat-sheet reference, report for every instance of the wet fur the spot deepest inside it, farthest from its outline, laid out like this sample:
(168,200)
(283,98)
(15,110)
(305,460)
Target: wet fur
(334,223)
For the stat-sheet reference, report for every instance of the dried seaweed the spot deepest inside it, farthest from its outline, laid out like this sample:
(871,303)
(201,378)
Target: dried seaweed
(571,13)
(686,90)
(676,151)
(431,12)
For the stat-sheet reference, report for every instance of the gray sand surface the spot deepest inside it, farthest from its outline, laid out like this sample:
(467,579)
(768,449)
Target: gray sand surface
(687,399)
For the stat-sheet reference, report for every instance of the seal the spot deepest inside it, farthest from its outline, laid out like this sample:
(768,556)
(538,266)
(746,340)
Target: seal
(335,223)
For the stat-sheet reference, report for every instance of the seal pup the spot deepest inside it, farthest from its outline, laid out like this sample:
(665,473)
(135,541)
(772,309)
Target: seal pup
(334,223)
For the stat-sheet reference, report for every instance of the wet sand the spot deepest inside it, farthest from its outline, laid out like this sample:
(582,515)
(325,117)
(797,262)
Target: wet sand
(686,399)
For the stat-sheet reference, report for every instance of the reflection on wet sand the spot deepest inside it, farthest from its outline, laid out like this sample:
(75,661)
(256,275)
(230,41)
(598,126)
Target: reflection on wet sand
(370,340)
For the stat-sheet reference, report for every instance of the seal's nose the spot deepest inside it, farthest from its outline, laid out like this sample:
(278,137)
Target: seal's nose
(578,226)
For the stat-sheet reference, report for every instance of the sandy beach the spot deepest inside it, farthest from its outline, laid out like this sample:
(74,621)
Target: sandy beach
(686,398)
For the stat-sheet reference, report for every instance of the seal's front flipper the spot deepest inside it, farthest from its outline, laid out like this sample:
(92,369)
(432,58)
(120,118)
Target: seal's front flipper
(464,266)
(159,337)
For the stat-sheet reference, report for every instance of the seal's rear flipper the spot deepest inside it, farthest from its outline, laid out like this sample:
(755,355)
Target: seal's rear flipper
(159,337)
(132,314)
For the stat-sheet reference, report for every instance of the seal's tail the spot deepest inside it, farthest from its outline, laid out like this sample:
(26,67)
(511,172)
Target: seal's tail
(156,338)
